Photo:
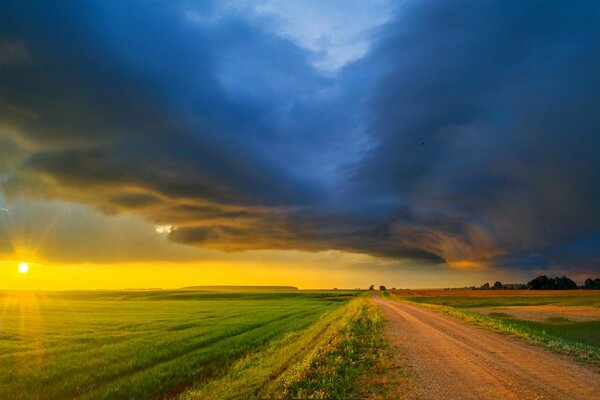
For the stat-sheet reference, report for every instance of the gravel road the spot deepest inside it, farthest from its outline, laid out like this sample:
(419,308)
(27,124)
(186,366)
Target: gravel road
(452,360)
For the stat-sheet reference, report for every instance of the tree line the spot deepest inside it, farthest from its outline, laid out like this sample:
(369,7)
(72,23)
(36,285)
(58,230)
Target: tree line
(543,282)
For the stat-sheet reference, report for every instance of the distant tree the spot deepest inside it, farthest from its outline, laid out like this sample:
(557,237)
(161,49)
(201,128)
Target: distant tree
(564,283)
(542,282)
(394,289)
(382,288)
(592,284)
(485,286)
(498,285)
(372,287)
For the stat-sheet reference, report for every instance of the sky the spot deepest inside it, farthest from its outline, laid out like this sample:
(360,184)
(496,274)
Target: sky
(411,143)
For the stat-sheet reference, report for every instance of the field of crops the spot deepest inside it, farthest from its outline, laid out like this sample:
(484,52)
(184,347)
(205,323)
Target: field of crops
(490,298)
(152,344)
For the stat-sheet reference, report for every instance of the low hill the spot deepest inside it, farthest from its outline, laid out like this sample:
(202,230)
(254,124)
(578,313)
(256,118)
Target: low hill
(238,288)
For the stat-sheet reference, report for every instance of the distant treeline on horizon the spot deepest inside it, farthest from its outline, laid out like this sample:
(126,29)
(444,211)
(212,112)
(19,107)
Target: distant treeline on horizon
(543,282)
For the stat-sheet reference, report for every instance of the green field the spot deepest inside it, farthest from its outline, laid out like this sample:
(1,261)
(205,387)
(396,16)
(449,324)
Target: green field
(170,344)
(502,301)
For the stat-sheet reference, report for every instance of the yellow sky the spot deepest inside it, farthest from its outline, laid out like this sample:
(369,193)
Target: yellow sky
(72,247)
(307,275)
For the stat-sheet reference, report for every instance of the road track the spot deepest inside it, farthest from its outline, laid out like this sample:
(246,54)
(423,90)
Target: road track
(452,360)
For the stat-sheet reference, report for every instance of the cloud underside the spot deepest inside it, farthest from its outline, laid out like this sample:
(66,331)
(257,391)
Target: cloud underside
(466,135)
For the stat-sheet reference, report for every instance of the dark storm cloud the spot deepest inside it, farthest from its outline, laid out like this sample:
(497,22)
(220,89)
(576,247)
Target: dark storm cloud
(310,233)
(487,116)
(469,134)
(101,106)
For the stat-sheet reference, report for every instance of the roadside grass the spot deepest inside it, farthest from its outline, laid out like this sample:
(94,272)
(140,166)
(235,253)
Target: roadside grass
(577,339)
(343,360)
(143,344)
(341,356)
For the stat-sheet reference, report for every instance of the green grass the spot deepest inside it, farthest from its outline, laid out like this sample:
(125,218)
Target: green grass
(343,358)
(500,315)
(144,344)
(325,361)
(559,328)
(256,374)
(499,301)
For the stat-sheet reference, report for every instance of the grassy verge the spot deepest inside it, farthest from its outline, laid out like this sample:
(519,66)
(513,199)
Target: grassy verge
(534,334)
(350,354)
(324,361)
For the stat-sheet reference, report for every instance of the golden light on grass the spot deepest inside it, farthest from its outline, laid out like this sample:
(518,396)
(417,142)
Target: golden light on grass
(23,268)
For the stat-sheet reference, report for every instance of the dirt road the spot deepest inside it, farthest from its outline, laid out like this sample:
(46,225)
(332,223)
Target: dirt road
(452,360)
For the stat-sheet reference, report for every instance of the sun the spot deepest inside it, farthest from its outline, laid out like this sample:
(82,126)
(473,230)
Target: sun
(23,267)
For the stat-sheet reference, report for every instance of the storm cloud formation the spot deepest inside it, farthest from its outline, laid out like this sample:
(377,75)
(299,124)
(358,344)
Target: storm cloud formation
(466,134)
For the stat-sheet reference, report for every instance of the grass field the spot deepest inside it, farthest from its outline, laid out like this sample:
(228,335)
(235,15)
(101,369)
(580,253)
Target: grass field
(494,298)
(581,339)
(186,343)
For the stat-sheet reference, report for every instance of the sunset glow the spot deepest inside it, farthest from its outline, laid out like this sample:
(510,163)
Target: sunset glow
(23,267)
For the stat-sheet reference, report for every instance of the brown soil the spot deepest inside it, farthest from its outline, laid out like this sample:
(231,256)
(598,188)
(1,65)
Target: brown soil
(541,313)
(452,360)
